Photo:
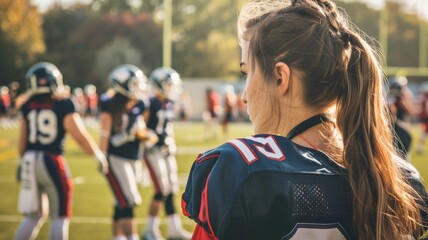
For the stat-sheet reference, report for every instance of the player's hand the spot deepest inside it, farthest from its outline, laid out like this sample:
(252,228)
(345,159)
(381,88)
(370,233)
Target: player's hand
(138,130)
(121,138)
(102,162)
(147,136)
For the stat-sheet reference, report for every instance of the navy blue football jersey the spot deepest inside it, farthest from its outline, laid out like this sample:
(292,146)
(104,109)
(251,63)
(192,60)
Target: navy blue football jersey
(267,187)
(45,123)
(161,116)
(130,149)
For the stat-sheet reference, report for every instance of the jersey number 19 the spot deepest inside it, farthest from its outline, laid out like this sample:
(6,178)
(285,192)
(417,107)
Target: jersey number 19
(42,126)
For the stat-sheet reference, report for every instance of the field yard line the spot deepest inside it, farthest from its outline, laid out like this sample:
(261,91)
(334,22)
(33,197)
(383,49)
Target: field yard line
(85,220)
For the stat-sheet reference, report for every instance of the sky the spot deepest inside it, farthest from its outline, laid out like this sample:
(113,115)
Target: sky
(420,6)
(43,5)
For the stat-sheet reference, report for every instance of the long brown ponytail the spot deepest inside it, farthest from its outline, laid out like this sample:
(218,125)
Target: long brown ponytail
(339,67)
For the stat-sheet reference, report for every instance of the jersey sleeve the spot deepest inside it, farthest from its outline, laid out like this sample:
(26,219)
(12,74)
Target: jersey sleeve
(24,108)
(104,104)
(194,199)
(210,191)
(68,107)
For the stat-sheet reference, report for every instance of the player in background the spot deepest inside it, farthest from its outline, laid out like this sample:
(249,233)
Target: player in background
(13,92)
(321,164)
(402,106)
(210,116)
(229,108)
(160,157)
(45,121)
(122,130)
(91,97)
(423,117)
(185,107)
(79,101)
(5,107)
(241,108)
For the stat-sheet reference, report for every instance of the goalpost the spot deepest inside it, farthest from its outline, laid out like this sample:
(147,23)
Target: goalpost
(422,69)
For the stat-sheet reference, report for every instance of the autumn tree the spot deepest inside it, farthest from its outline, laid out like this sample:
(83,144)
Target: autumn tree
(21,38)
(85,32)
(204,38)
(118,52)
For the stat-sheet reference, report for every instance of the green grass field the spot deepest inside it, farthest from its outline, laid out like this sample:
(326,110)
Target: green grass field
(92,206)
(92,201)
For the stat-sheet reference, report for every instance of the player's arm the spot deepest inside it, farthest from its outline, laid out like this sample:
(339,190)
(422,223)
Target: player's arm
(106,124)
(74,125)
(146,115)
(194,202)
(22,142)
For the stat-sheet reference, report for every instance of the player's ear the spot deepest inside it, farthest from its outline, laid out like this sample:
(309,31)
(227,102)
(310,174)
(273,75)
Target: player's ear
(282,75)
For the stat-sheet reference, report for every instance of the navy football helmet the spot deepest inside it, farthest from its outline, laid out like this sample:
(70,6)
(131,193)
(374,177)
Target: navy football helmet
(128,80)
(43,77)
(166,81)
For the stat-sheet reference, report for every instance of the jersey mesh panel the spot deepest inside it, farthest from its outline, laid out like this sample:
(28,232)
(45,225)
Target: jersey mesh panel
(269,204)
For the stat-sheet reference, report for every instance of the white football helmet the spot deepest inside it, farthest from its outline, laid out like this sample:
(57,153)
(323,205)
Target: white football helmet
(128,80)
(167,81)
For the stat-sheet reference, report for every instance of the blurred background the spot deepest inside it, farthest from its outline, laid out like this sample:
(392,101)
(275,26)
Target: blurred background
(87,38)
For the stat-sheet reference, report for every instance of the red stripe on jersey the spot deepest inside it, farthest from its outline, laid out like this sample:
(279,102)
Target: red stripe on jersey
(35,105)
(184,207)
(204,215)
(199,160)
(153,175)
(120,196)
(66,185)
(200,234)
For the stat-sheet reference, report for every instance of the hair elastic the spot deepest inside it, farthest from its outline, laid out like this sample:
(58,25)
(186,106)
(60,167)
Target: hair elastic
(346,38)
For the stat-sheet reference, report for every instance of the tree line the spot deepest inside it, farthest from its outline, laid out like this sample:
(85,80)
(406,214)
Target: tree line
(87,40)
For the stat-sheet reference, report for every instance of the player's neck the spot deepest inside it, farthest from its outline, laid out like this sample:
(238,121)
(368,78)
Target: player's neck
(324,137)
(283,122)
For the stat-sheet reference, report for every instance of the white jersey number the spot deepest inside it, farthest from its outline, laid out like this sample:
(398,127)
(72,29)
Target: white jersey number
(317,232)
(42,126)
(266,146)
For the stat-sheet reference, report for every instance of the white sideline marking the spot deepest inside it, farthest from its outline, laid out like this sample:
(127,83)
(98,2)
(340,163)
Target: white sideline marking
(93,220)
(78,180)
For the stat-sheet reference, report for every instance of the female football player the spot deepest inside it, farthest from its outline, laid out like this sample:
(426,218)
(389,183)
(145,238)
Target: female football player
(46,118)
(122,130)
(160,157)
(322,164)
